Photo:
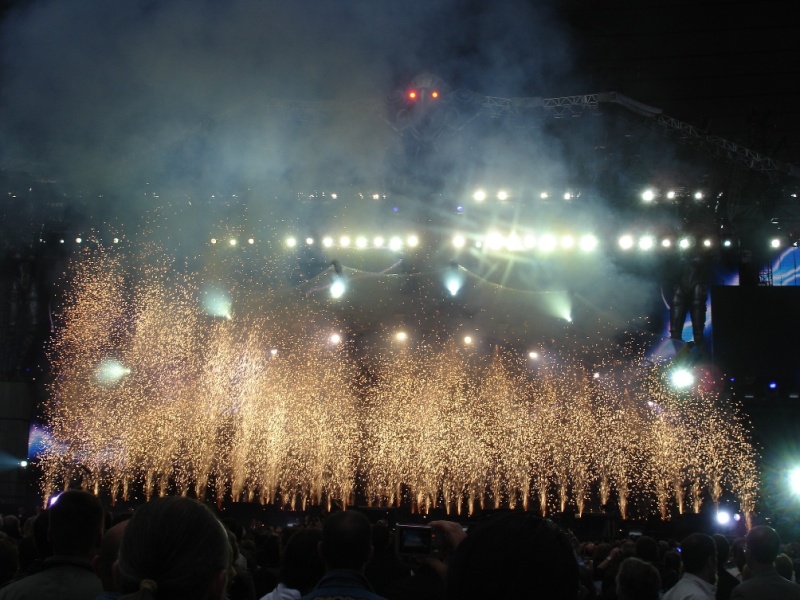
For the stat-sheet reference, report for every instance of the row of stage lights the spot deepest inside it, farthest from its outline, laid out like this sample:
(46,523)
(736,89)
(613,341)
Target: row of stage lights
(495,241)
(480,195)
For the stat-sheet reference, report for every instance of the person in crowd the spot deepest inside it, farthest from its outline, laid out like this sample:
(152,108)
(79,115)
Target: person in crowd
(75,532)
(346,548)
(104,561)
(699,557)
(762,547)
(511,555)
(301,566)
(384,567)
(647,550)
(9,559)
(784,566)
(638,580)
(725,581)
(737,559)
(175,548)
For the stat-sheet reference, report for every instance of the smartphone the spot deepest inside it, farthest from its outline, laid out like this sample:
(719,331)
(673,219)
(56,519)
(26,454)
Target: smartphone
(417,541)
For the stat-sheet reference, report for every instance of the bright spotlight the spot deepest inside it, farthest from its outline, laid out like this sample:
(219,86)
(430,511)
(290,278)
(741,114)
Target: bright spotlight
(291,242)
(217,304)
(78,240)
(794,481)
(468,339)
(648,195)
(479,196)
(116,240)
(274,351)
(533,355)
(401,336)
(23,464)
(327,242)
(682,378)
(338,288)
(378,242)
(309,241)
(588,243)
(110,371)
(494,241)
(698,195)
(232,241)
(344,241)
(684,243)
(626,242)
(453,285)
(567,242)
(547,243)
(723,517)
(671,195)
(412,241)
(646,242)
(459,241)
(395,243)
(727,243)
(361,242)
(544,196)
(251,241)
(335,338)
(502,195)
(376,196)
(513,242)
(706,243)
(775,243)
(567,195)
(529,241)
(666,243)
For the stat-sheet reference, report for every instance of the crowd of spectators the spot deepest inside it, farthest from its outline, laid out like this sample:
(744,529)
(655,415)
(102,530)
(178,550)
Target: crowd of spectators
(176,547)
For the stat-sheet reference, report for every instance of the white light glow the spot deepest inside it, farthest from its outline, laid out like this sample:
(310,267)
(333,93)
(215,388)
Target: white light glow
(479,196)
(378,242)
(588,243)
(646,242)
(110,371)
(232,242)
(309,241)
(682,378)
(685,243)
(344,241)
(459,241)
(335,338)
(648,195)
(412,241)
(251,241)
(775,243)
(395,243)
(533,355)
(567,242)
(291,242)
(338,288)
(626,242)
(361,242)
(502,195)
(327,242)
(468,340)
(401,336)
(547,242)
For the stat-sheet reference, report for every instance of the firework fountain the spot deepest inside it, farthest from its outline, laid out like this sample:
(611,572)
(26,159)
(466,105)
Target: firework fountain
(155,391)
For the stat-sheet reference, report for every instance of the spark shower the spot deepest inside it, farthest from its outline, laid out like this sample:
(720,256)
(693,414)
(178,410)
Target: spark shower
(153,393)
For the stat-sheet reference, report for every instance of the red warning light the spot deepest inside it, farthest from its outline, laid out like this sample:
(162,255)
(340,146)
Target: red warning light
(434,94)
(412,95)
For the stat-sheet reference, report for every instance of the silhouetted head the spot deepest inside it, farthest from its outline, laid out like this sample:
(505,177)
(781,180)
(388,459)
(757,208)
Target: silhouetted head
(516,555)
(637,580)
(346,540)
(699,554)
(174,547)
(301,563)
(75,524)
(763,545)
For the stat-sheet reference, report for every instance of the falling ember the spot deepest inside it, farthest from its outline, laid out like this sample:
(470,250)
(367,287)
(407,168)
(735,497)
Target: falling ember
(194,403)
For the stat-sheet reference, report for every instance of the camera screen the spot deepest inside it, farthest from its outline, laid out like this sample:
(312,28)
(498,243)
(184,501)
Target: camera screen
(414,540)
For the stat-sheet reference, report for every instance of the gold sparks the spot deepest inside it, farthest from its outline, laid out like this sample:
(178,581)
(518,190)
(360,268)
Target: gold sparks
(152,395)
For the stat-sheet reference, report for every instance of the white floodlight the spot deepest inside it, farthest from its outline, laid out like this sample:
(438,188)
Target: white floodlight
(626,242)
